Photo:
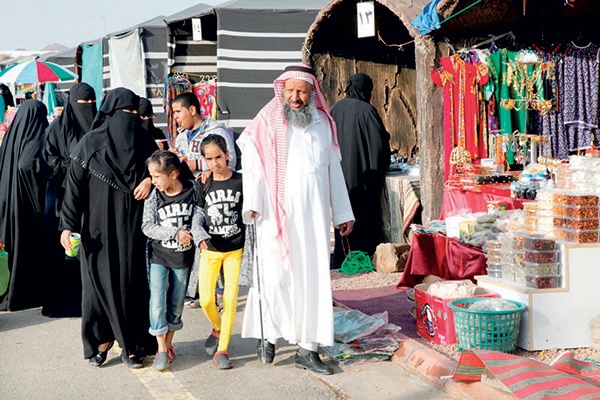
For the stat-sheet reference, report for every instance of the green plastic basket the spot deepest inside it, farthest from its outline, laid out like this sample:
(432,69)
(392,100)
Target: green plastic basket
(488,330)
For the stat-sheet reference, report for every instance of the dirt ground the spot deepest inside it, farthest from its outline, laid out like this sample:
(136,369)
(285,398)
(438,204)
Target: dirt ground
(341,281)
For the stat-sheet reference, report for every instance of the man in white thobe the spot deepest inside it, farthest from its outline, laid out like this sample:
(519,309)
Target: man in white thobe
(294,189)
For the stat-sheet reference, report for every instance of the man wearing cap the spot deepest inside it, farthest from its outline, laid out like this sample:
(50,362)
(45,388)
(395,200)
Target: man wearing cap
(294,190)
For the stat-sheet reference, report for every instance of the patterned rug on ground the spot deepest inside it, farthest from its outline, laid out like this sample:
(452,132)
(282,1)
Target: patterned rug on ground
(376,300)
(565,379)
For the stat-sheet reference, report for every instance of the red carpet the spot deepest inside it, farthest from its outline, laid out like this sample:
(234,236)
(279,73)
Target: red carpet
(376,300)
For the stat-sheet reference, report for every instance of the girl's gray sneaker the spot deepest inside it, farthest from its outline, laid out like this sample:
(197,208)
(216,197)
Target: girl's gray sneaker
(161,361)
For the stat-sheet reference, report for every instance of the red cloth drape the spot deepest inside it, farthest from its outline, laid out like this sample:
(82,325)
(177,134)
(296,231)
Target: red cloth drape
(447,258)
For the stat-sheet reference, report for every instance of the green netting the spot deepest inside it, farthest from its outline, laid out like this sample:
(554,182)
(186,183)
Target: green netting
(355,262)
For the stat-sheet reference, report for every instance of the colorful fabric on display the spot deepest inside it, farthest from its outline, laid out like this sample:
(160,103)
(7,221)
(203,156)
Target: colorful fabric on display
(460,82)
(567,378)
(428,20)
(207,95)
(510,120)
(173,87)
(91,73)
(580,73)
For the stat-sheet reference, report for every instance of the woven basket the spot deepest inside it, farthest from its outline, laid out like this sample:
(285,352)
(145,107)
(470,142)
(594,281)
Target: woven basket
(488,330)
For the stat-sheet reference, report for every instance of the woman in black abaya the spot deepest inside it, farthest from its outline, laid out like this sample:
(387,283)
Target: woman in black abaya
(365,148)
(106,183)
(23,176)
(63,293)
(147,116)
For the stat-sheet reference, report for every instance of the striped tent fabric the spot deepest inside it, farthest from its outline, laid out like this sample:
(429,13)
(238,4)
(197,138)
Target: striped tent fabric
(154,37)
(254,47)
(565,379)
(246,44)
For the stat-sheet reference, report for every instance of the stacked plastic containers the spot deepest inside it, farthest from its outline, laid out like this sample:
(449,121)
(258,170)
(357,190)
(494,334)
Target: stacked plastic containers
(527,259)
(575,216)
(493,253)
(531,221)
(540,262)
(544,212)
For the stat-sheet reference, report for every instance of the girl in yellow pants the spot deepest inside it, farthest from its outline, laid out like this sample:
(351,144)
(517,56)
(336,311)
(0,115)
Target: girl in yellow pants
(222,202)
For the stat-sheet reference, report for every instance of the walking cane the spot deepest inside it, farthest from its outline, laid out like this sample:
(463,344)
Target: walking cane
(262,333)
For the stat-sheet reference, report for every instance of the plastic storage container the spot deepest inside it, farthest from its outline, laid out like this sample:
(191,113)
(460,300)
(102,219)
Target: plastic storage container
(574,198)
(541,257)
(519,276)
(561,210)
(508,272)
(586,224)
(542,281)
(541,269)
(494,270)
(576,236)
(538,243)
(494,256)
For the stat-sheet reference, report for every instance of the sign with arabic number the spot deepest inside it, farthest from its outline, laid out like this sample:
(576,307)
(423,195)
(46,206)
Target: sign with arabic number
(365,19)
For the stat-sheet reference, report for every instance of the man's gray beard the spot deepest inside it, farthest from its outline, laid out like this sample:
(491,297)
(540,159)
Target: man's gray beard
(299,119)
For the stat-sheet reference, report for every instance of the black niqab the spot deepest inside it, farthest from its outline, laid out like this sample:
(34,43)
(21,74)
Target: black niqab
(23,176)
(360,87)
(109,149)
(148,124)
(67,130)
(84,112)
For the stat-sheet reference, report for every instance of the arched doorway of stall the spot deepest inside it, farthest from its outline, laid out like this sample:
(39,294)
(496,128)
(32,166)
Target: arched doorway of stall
(334,50)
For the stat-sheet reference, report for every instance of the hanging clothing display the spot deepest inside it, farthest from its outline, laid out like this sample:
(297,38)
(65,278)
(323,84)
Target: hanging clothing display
(461,82)
(207,95)
(553,92)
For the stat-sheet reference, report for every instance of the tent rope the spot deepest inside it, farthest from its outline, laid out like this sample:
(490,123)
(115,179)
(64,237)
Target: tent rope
(461,11)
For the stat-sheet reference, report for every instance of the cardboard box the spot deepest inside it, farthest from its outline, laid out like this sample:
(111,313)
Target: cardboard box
(466,229)
(435,320)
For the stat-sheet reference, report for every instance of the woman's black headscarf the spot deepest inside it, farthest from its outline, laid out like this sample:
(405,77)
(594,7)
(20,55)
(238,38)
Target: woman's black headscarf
(148,124)
(8,97)
(21,160)
(84,113)
(110,150)
(360,87)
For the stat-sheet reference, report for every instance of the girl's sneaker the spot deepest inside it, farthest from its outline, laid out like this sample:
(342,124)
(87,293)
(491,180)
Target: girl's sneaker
(171,352)
(212,342)
(161,361)
(222,361)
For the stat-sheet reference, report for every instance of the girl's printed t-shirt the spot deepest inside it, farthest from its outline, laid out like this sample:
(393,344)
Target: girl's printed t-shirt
(175,211)
(223,214)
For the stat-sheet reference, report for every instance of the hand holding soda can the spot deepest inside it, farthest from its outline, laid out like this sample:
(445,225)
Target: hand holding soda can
(75,241)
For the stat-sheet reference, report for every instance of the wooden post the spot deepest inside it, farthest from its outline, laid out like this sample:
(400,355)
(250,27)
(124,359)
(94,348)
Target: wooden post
(430,128)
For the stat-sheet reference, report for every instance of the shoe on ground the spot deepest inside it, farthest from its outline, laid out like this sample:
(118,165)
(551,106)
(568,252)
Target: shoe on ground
(269,351)
(100,357)
(222,361)
(211,343)
(313,362)
(132,362)
(161,361)
(171,352)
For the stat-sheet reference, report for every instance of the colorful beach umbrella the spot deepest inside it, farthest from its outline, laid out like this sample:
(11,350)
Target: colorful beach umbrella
(36,71)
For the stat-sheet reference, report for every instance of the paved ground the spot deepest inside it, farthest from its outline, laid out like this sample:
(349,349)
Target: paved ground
(42,358)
